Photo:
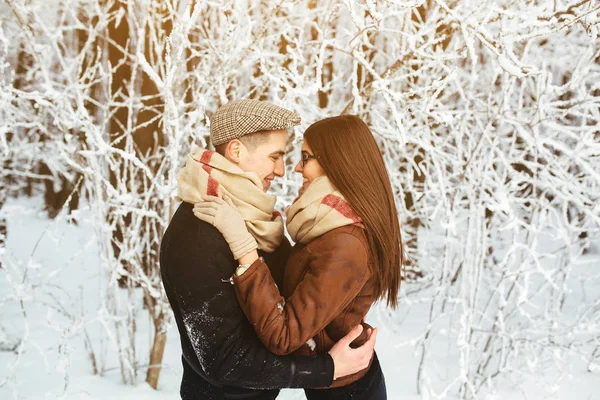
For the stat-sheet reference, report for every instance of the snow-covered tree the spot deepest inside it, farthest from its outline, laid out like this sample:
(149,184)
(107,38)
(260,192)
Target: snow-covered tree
(486,112)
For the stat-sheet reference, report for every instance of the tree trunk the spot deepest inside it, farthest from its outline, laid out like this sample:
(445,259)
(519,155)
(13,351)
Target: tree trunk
(149,139)
(327,72)
(156,356)
(160,321)
(118,127)
(24,62)
(3,196)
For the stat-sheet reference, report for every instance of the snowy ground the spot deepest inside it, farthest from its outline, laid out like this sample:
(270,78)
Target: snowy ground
(54,306)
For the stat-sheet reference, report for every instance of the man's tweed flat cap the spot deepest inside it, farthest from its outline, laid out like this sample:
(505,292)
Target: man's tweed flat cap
(242,117)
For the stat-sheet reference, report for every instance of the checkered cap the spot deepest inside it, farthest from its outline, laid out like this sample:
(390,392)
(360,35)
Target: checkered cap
(242,117)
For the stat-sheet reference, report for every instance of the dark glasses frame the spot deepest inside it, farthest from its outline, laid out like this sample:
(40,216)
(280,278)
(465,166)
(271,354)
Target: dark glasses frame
(305,157)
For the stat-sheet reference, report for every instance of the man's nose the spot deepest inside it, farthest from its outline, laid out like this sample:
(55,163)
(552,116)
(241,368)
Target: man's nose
(299,167)
(279,168)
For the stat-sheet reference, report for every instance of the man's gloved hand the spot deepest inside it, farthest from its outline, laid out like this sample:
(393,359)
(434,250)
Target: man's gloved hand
(223,215)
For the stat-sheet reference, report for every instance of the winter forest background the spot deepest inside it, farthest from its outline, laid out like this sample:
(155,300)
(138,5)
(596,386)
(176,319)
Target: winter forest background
(487,115)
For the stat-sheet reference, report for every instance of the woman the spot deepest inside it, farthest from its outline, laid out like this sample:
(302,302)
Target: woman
(348,253)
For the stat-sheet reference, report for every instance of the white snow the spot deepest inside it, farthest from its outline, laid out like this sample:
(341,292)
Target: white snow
(61,303)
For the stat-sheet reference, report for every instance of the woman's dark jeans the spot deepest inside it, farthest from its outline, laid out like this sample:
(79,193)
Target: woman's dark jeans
(369,387)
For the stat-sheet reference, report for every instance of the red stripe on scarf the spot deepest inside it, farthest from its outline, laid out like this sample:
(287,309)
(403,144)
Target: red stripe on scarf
(276,214)
(206,156)
(212,188)
(341,206)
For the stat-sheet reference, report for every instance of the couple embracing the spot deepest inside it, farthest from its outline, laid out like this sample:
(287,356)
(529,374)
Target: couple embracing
(254,313)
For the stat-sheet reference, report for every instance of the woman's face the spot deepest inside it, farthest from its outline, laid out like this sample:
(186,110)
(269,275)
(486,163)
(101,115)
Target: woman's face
(311,169)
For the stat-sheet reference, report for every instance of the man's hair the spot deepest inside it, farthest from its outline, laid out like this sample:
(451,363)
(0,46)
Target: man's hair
(251,141)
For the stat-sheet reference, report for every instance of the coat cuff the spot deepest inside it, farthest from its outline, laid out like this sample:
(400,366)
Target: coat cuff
(313,371)
(251,270)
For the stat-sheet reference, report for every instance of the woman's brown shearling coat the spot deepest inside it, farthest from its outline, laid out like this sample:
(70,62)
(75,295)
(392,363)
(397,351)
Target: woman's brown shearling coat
(328,289)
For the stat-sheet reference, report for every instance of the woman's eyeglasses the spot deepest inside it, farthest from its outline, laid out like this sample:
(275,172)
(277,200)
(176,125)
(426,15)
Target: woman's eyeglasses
(305,157)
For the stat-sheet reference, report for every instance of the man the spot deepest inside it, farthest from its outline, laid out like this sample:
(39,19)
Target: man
(222,356)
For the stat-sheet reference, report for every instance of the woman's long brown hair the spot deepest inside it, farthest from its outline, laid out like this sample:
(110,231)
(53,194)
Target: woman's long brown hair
(349,155)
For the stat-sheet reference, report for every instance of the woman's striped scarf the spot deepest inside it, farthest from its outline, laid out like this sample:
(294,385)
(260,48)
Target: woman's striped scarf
(320,209)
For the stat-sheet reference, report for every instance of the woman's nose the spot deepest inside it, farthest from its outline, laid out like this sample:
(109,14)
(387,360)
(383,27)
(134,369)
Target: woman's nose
(299,167)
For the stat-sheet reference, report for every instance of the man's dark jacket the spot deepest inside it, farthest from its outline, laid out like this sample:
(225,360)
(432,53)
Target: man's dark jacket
(218,343)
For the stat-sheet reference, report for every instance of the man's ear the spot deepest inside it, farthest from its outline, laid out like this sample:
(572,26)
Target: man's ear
(235,150)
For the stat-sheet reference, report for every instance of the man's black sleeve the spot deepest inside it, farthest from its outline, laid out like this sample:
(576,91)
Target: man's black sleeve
(224,342)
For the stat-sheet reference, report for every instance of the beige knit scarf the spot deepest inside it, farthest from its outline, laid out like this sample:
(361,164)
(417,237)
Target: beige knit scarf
(317,211)
(207,172)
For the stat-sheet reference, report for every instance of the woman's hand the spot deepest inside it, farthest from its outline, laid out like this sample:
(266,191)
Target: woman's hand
(223,215)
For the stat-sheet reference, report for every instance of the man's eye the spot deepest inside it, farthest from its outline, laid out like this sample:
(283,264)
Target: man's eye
(275,158)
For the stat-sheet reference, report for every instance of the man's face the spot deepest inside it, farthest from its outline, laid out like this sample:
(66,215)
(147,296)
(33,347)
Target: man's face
(266,159)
